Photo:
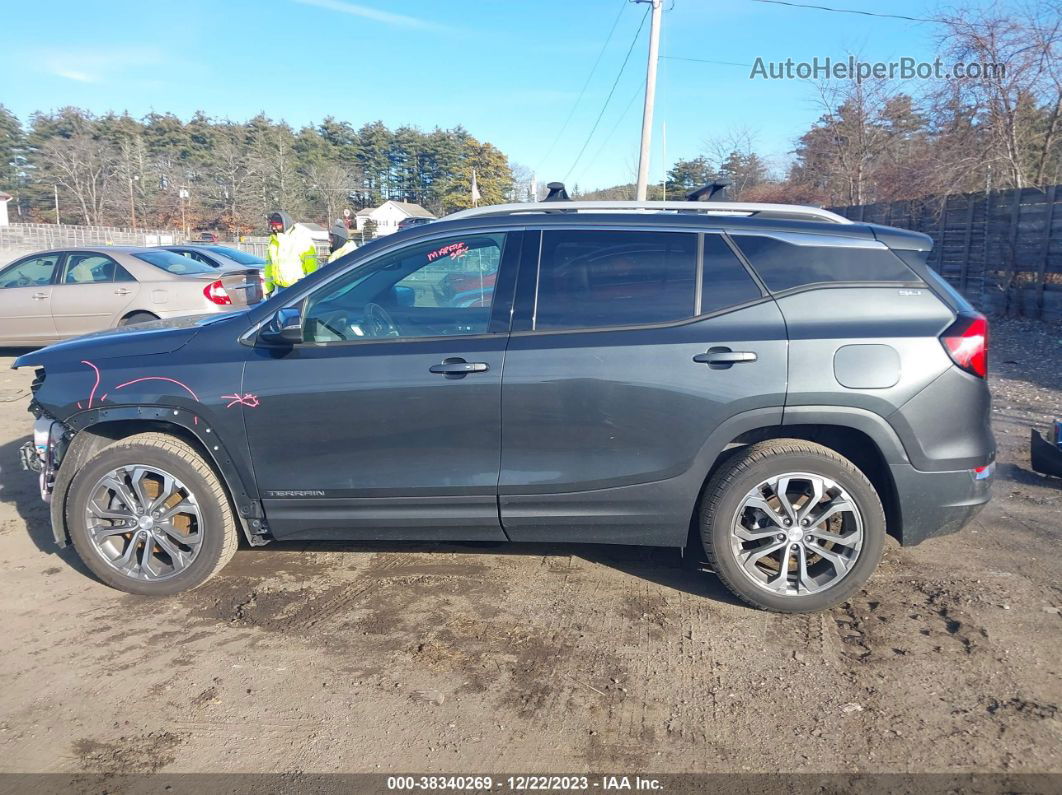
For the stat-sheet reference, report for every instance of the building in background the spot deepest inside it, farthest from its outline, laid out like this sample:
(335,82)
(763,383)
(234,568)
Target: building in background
(387,216)
(4,199)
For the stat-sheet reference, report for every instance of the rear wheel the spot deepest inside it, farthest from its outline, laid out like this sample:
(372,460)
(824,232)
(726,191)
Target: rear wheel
(792,526)
(149,516)
(137,317)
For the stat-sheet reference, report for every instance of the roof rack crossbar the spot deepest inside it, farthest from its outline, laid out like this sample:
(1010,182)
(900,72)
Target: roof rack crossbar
(787,211)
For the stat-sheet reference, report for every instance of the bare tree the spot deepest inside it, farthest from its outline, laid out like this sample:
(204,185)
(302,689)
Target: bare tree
(331,182)
(1020,92)
(85,167)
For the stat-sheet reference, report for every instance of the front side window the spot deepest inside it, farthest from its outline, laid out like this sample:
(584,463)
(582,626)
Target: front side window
(441,288)
(34,272)
(591,279)
(89,269)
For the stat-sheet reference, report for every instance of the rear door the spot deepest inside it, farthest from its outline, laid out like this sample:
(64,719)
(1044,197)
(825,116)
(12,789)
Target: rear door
(629,348)
(91,293)
(25,300)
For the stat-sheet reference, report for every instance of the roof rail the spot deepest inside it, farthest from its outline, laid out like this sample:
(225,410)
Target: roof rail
(793,212)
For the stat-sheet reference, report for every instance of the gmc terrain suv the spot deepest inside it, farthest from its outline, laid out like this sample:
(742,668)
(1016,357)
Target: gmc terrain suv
(776,384)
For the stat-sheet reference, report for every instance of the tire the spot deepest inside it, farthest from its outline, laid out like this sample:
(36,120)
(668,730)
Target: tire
(735,533)
(202,532)
(137,317)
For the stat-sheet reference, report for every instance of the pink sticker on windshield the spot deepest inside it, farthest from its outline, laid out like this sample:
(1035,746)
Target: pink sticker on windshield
(454,251)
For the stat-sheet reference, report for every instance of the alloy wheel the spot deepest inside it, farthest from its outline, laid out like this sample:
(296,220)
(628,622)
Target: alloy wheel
(144,522)
(797,533)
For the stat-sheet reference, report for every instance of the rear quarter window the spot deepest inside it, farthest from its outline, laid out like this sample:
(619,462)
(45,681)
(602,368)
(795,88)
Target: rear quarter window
(784,265)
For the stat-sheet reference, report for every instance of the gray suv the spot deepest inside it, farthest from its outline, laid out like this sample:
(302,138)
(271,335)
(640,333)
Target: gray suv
(771,386)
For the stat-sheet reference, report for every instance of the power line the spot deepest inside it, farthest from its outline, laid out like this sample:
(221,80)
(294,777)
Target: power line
(844,10)
(612,91)
(704,60)
(582,91)
(637,93)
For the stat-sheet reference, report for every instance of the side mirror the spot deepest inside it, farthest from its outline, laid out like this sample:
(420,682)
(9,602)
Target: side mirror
(284,328)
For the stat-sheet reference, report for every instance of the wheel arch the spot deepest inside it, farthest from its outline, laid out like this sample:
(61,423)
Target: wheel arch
(131,312)
(94,430)
(863,438)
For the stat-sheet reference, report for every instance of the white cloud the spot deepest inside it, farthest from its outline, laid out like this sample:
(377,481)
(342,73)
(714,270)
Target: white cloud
(97,64)
(376,15)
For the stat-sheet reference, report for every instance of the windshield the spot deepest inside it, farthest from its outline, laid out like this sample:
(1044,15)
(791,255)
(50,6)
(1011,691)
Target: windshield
(173,263)
(236,255)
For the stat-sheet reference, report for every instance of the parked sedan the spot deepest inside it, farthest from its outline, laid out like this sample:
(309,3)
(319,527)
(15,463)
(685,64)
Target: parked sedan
(51,295)
(218,256)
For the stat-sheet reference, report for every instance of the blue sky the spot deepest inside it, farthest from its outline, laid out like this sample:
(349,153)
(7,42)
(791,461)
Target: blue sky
(508,70)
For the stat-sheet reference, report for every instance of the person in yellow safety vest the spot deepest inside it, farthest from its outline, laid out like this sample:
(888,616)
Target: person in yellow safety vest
(291,253)
(339,241)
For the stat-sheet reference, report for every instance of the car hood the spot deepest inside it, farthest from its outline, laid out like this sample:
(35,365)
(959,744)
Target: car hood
(156,336)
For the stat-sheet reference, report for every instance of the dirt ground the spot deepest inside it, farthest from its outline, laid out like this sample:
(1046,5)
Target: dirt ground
(489,658)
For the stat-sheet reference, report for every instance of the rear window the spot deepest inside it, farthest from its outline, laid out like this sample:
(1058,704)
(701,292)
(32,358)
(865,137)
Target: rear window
(591,279)
(236,255)
(784,265)
(173,263)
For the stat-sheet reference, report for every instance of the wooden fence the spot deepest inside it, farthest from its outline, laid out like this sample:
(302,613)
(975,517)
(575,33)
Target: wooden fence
(1002,249)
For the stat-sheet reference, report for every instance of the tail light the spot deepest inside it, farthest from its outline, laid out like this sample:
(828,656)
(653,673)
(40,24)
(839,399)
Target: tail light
(215,293)
(966,342)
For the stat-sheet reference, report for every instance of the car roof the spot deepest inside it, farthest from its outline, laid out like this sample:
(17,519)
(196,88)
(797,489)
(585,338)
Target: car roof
(557,217)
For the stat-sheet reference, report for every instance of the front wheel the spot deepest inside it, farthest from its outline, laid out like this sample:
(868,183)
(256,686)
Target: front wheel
(149,516)
(792,526)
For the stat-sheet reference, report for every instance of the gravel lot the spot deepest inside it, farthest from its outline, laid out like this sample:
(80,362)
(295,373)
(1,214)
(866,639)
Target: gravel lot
(464,658)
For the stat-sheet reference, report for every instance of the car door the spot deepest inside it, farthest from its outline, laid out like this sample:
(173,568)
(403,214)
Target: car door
(91,293)
(385,421)
(25,300)
(629,349)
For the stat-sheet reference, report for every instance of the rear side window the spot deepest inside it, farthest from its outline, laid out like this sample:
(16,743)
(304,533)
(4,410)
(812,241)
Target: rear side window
(784,265)
(725,282)
(590,279)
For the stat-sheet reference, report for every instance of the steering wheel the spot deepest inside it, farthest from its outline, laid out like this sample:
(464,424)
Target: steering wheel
(379,323)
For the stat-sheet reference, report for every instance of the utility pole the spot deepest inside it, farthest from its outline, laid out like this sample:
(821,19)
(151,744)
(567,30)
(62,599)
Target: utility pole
(56,189)
(650,98)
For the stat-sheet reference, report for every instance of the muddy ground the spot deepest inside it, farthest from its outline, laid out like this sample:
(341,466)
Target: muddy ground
(467,658)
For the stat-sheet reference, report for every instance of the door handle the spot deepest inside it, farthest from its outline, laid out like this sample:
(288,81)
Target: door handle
(39,296)
(121,291)
(723,358)
(458,368)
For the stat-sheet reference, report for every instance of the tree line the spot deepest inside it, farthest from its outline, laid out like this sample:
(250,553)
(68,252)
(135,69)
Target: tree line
(874,142)
(162,172)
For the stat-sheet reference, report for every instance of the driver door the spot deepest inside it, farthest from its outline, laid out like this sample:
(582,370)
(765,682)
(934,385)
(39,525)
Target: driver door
(385,423)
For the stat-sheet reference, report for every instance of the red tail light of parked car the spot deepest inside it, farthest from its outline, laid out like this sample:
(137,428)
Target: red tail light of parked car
(215,293)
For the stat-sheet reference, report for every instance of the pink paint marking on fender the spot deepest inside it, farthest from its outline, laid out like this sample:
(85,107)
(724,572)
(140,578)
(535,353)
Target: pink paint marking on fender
(158,378)
(249,400)
(95,386)
(79,404)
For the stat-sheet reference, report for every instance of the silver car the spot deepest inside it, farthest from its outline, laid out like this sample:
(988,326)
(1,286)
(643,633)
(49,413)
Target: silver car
(51,295)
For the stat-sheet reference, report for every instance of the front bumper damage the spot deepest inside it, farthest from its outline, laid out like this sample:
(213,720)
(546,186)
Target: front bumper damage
(44,454)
